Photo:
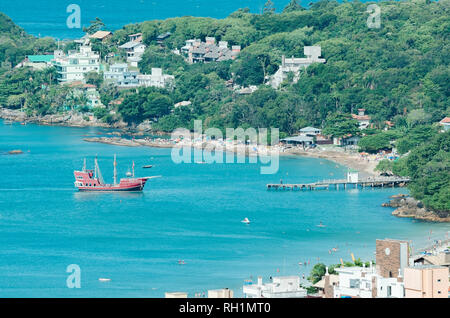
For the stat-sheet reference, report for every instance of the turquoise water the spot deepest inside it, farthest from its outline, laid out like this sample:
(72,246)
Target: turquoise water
(48,18)
(192,213)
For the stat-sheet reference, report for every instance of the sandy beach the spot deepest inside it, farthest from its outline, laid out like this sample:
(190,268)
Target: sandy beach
(349,158)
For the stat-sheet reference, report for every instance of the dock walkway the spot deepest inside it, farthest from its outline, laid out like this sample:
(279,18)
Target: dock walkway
(342,183)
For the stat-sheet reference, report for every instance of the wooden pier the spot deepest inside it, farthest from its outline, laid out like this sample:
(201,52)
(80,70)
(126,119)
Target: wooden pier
(379,182)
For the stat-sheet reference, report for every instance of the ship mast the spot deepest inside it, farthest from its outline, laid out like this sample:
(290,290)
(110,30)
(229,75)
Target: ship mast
(95,168)
(115,170)
(133,169)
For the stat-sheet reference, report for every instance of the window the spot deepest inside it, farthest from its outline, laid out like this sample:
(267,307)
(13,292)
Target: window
(439,280)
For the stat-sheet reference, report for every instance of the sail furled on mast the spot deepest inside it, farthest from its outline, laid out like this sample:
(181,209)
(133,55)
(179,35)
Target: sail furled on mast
(97,168)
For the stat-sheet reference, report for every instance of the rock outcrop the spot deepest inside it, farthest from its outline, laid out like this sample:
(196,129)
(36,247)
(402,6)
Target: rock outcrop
(72,118)
(408,207)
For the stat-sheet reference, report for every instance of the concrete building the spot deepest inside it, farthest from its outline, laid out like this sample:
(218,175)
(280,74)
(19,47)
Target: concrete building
(445,123)
(327,282)
(73,66)
(426,281)
(220,293)
(121,76)
(37,62)
(392,257)
(310,131)
(363,282)
(362,119)
(294,65)
(280,287)
(352,176)
(348,140)
(156,79)
(301,140)
(208,51)
(133,50)
(89,91)
(137,37)
(439,259)
(176,295)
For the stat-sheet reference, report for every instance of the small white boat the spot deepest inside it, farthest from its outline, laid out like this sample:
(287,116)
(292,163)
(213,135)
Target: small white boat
(104,279)
(246,221)
(321,225)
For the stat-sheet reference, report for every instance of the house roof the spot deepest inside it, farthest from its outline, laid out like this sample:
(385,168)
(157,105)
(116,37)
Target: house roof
(298,138)
(40,58)
(308,129)
(100,35)
(363,117)
(446,120)
(334,279)
(130,45)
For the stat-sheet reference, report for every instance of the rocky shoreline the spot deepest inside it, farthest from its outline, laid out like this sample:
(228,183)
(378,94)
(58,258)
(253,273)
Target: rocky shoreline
(408,207)
(71,119)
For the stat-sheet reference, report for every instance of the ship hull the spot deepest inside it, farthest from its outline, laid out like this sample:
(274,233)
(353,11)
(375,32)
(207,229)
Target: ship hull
(113,189)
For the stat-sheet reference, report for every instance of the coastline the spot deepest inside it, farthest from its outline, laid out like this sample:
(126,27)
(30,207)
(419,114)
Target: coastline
(352,160)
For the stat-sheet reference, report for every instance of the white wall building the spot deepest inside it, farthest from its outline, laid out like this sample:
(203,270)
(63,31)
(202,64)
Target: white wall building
(364,282)
(280,287)
(76,64)
(120,75)
(220,293)
(294,65)
(156,79)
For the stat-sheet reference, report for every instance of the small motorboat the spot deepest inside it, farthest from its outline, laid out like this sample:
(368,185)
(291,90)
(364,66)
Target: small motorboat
(321,225)
(147,166)
(246,221)
(200,162)
(104,279)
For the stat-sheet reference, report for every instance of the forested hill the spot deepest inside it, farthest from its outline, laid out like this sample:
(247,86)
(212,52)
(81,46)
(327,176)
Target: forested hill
(390,71)
(15,43)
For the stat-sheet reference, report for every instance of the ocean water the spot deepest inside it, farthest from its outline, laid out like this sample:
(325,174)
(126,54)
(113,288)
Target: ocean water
(48,17)
(192,213)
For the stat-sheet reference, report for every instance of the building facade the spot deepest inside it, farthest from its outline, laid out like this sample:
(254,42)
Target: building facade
(295,65)
(76,64)
(280,287)
(426,281)
(392,256)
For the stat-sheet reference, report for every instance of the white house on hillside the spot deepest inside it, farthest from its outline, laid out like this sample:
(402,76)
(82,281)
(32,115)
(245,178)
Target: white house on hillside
(76,64)
(294,65)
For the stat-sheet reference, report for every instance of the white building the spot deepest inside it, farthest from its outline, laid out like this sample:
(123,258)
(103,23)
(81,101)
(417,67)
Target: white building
(119,75)
(280,287)
(220,293)
(310,131)
(362,119)
(294,65)
(352,176)
(156,79)
(76,64)
(176,295)
(363,282)
(134,50)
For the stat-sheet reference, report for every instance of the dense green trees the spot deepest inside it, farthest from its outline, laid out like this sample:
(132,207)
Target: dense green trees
(428,166)
(148,103)
(338,125)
